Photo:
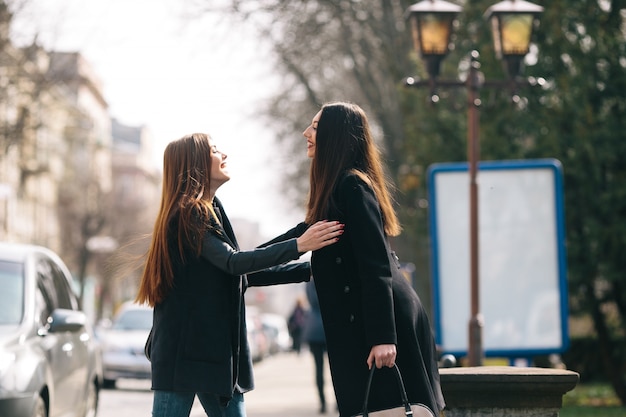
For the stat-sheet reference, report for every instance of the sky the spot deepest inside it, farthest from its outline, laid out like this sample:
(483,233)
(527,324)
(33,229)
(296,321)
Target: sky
(176,76)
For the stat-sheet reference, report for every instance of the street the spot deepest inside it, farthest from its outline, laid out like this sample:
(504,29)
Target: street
(285,386)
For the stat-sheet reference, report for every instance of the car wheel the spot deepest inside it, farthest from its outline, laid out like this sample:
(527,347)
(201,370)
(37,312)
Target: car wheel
(91,404)
(108,383)
(40,408)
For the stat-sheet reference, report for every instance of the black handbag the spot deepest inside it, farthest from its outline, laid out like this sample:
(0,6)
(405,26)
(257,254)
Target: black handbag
(407,409)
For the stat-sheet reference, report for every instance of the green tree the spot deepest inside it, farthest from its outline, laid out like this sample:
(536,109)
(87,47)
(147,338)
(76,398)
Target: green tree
(578,116)
(582,122)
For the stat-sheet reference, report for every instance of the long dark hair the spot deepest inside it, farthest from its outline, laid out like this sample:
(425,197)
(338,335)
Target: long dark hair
(344,143)
(186,197)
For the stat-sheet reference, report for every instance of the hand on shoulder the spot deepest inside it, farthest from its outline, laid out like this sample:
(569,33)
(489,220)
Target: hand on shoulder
(319,235)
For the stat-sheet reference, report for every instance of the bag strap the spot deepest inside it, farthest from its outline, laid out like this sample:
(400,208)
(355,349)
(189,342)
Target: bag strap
(147,349)
(405,399)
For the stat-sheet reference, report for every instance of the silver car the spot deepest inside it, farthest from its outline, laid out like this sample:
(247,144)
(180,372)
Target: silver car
(49,362)
(275,327)
(123,344)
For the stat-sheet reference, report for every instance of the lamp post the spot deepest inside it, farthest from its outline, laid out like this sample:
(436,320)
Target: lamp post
(432,23)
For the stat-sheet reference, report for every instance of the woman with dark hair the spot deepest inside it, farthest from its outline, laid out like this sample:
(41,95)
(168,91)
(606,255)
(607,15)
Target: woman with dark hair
(194,277)
(372,316)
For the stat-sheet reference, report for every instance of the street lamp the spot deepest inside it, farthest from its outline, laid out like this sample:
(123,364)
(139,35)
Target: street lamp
(512,24)
(432,23)
(431,28)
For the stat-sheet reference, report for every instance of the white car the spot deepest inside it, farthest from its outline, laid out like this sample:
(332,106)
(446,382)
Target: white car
(257,339)
(275,327)
(49,360)
(122,344)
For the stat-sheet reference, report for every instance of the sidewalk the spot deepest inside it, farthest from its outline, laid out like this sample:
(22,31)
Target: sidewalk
(285,387)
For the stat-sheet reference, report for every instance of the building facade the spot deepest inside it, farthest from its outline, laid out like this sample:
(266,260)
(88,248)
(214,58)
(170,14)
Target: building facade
(70,176)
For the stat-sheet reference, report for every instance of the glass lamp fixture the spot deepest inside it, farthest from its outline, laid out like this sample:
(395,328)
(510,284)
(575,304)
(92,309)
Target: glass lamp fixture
(431,23)
(512,23)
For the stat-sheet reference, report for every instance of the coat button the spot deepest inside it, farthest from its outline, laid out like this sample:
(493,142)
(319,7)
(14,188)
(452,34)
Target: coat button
(346,289)
(337,260)
(351,318)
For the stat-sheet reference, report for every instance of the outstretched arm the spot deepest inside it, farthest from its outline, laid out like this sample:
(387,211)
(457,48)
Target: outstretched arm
(289,273)
(235,262)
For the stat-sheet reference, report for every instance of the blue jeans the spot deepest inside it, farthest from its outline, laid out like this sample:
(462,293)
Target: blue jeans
(178,404)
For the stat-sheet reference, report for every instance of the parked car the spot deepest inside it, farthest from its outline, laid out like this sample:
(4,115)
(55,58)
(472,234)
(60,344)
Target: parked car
(257,339)
(275,328)
(49,360)
(123,343)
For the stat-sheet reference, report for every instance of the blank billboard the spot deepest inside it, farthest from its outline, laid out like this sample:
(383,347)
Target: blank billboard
(522,267)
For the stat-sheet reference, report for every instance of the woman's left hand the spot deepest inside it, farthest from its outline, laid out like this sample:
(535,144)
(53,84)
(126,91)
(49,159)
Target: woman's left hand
(382,355)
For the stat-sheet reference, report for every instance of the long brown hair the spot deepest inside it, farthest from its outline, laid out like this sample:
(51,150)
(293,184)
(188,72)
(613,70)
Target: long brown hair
(186,198)
(344,143)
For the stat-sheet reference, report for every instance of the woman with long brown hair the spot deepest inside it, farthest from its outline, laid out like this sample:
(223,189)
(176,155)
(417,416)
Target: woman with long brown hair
(372,316)
(195,278)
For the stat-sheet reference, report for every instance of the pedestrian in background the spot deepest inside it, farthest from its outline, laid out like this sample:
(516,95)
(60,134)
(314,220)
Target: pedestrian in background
(314,337)
(194,277)
(371,314)
(295,324)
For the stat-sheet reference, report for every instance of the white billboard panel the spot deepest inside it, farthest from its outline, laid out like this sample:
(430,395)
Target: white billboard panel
(522,269)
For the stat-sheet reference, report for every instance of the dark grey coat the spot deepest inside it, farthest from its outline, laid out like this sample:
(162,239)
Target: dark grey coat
(199,338)
(365,301)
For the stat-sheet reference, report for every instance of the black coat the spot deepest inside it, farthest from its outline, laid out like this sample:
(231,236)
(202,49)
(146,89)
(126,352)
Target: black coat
(365,301)
(199,338)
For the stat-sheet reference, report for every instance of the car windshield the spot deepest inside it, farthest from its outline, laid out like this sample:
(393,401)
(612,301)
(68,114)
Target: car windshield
(134,320)
(12,293)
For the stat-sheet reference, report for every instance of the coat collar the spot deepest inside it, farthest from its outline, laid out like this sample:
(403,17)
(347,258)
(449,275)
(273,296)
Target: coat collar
(224,226)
